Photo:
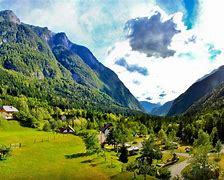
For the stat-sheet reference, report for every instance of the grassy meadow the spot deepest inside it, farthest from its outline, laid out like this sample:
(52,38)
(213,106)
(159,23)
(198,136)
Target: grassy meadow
(42,156)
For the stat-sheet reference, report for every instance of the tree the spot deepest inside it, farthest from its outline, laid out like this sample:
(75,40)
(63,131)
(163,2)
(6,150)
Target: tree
(140,166)
(163,174)
(172,135)
(111,138)
(118,135)
(218,147)
(162,136)
(132,167)
(214,136)
(47,126)
(203,139)
(92,143)
(150,150)
(143,164)
(201,167)
(124,155)
(143,129)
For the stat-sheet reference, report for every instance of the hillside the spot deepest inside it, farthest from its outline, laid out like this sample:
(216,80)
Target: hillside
(214,101)
(38,63)
(198,90)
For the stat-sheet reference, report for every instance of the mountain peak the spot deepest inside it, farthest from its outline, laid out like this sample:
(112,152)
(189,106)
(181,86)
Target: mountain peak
(9,15)
(62,39)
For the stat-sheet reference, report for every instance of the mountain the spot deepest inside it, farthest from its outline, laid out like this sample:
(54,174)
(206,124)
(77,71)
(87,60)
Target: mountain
(38,63)
(162,110)
(214,101)
(198,90)
(148,107)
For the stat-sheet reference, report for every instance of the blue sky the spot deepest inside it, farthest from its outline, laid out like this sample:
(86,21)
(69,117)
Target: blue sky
(155,46)
(103,21)
(190,9)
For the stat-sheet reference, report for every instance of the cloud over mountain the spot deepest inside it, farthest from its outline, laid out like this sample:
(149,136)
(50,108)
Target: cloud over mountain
(132,68)
(151,36)
(174,55)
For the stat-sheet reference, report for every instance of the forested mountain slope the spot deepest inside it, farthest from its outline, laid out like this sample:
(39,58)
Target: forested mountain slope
(37,63)
(198,90)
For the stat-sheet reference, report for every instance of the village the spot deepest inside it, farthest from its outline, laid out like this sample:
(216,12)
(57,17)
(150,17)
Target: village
(113,150)
(176,155)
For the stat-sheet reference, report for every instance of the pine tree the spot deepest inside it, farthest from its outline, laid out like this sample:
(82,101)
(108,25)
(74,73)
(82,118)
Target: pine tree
(124,154)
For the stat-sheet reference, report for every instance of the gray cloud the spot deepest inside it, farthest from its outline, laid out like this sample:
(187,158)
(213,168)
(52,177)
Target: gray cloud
(192,39)
(148,98)
(135,81)
(151,36)
(163,94)
(132,68)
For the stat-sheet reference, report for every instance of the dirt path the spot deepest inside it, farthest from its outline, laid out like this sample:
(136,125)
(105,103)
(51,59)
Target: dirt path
(177,168)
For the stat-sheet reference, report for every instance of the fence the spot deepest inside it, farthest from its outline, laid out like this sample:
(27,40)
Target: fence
(33,141)
(15,145)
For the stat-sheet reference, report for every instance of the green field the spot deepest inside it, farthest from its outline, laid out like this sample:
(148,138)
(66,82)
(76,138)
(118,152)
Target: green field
(42,156)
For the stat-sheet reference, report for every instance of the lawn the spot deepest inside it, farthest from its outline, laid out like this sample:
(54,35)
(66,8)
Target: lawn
(42,156)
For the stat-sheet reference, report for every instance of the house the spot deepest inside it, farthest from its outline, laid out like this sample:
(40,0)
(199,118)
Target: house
(66,130)
(133,150)
(63,118)
(104,131)
(8,111)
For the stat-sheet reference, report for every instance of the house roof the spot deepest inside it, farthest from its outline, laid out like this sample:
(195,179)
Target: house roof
(106,126)
(70,127)
(10,109)
(67,128)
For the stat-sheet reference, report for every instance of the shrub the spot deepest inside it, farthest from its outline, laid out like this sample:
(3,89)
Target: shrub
(4,152)
(163,173)
(47,126)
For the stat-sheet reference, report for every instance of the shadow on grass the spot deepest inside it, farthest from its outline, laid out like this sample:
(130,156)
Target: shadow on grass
(93,165)
(109,150)
(87,161)
(72,156)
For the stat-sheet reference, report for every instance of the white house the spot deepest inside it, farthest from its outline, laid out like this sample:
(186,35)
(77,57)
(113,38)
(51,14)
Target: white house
(8,111)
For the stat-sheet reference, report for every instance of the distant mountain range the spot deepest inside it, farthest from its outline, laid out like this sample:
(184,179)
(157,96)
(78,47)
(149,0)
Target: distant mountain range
(148,107)
(156,109)
(162,110)
(38,63)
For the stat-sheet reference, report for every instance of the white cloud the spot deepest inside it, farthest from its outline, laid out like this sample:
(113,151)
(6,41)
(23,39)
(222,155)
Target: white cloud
(172,75)
(210,23)
(59,16)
